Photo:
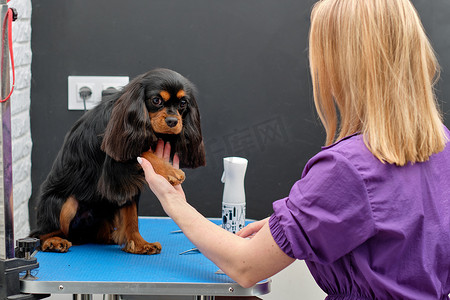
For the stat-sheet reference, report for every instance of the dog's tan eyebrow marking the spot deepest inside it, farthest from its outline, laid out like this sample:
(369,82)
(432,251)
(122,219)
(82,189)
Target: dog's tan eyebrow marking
(165,95)
(181,94)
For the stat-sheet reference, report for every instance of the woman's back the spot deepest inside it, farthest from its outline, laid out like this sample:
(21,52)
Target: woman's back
(403,228)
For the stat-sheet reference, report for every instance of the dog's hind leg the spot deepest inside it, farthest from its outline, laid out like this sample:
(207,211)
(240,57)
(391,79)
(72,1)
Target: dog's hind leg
(68,212)
(53,241)
(127,232)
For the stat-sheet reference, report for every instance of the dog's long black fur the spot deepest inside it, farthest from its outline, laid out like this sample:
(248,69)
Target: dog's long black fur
(96,167)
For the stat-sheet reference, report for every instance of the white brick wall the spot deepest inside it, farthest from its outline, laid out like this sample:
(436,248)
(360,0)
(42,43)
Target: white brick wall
(20,117)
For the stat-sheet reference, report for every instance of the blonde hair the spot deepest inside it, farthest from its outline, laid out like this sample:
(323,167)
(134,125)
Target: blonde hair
(373,71)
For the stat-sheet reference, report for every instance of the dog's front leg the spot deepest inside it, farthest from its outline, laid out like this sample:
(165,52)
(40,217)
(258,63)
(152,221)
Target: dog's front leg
(127,232)
(174,176)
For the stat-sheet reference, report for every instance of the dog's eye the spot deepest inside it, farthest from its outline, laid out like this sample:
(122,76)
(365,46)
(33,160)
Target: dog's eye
(183,103)
(156,101)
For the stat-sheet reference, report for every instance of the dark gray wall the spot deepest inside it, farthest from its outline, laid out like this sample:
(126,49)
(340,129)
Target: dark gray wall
(247,58)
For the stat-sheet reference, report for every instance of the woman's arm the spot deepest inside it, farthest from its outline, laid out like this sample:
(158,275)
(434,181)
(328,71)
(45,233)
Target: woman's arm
(247,261)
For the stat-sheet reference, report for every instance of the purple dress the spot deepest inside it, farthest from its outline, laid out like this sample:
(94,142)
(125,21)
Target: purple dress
(369,230)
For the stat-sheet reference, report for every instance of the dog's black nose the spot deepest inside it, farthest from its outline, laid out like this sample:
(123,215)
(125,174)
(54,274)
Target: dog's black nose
(171,121)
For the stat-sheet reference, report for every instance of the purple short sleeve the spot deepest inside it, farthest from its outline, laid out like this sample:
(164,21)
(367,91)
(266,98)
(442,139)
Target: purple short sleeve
(327,213)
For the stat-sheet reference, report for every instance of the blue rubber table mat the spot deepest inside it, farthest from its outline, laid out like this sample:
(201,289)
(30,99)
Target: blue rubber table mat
(108,263)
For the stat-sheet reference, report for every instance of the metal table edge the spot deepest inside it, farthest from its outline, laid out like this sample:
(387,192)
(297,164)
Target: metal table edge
(143,288)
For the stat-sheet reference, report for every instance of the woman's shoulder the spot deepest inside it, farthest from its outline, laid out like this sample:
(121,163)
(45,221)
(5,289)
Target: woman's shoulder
(354,148)
(349,145)
(351,150)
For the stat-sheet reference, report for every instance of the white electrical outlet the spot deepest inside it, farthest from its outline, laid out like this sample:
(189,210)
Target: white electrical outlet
(97,84)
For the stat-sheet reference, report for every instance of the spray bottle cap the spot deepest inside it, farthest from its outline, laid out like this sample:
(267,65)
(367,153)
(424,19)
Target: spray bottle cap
(233,160)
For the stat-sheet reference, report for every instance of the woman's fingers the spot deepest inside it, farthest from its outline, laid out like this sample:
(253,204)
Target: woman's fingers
(163,151)
(159,148)
(252,228)
(176,161)
(166,153)
(246,231)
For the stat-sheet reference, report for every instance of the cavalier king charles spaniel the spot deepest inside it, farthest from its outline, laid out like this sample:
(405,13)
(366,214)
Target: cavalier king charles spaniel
(92,191)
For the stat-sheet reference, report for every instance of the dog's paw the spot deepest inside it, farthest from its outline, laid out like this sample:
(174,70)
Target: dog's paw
(145,248)
(56,244)
(176,177)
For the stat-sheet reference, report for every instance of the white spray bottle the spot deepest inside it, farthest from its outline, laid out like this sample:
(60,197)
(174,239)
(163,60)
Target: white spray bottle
(233,201)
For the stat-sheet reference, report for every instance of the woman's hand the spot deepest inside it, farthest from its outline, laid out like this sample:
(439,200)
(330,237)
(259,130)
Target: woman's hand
(251,229)
(157,183)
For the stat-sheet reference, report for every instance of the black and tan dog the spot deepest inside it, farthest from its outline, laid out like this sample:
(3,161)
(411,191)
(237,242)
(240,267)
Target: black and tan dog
(92,192)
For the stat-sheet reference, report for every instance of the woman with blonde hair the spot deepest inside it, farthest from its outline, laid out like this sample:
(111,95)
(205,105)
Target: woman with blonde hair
(370,214)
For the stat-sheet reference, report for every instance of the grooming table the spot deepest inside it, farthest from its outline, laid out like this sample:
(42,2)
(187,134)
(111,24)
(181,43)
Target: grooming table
(106,269)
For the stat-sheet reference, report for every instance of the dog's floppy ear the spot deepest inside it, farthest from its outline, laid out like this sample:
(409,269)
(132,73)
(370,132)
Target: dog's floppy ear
(190,147)
(129,130)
